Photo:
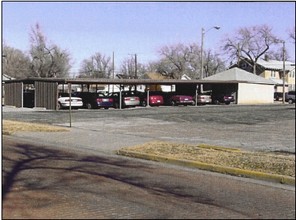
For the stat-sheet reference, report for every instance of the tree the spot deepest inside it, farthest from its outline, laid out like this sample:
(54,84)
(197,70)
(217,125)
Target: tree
(15,63)
(97,66)
(249,43)
(47,60)
(292,34)
(180,59)
(131,69)
(213,64)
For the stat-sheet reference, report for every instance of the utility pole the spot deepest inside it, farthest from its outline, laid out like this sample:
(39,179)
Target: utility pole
(113,70)
(284,72)
(136,76)
(136,70)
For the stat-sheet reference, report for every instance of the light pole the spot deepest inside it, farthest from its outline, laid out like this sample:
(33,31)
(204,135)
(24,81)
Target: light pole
(202,43)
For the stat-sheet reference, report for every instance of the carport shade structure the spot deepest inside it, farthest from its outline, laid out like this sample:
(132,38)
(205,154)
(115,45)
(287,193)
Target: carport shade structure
(46,88)
(249,89)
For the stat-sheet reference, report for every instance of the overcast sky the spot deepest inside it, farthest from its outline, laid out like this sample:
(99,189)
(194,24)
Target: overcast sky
(142,28)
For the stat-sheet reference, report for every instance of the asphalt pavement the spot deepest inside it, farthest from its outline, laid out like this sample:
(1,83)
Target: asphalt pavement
(95,133)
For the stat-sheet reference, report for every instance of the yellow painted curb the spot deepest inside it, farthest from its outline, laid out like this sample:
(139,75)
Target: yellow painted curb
(227,149)
(212,167)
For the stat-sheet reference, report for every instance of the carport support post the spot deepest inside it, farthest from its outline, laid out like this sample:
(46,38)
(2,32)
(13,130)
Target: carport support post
(196,93)
(120,96)
(22,98)
(70,109)
(148,89)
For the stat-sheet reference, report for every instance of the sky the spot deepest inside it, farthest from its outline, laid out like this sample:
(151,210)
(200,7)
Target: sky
(142,28)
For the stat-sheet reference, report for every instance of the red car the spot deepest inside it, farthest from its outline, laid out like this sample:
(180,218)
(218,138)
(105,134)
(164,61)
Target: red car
(222,98)
(182,100)
(155,99)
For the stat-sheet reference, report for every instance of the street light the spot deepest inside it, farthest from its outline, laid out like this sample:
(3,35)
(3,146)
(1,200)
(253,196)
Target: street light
(202,42)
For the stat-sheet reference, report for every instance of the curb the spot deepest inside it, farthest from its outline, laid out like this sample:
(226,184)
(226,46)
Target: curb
(212,167)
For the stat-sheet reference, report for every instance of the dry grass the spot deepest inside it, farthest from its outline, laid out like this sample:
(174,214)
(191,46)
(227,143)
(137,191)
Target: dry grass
(10,127)
(274,163)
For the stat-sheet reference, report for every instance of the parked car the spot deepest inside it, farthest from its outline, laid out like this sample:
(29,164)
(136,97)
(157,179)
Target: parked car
(64,101)
(181,100)
(203,99)
(129,99)
(92,100)
(222,98)
(278,96)
(290,97)
(155,99)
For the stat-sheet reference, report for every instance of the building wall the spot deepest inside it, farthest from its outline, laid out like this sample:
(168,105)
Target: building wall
(267,74)
(255,93)
(274,74)
(291,79)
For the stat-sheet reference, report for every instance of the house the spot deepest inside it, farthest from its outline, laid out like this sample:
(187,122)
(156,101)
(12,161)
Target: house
(158,76)
(272,69)
(246,87)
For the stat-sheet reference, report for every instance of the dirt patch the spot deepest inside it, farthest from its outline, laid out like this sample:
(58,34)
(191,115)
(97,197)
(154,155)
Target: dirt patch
(267,162)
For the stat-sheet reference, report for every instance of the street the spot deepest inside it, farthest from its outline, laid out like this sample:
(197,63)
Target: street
(46,182)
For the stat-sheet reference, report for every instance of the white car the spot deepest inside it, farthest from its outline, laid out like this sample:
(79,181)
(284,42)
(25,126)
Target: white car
(203,99)
(64,101)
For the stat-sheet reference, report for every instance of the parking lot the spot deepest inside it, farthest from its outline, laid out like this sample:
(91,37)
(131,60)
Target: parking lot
(252,127)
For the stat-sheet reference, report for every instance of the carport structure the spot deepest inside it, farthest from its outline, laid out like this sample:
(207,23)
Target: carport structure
(46,89)
(248,89)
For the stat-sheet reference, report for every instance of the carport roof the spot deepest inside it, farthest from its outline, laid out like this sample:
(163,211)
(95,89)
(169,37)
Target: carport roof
(239,75)
(115,81)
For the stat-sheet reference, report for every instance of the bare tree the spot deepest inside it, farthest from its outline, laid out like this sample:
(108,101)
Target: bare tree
(132,69)
(292,34)
(15,63)
(97,66)
(182,59)
(213,64)
(47,60)
(250,43)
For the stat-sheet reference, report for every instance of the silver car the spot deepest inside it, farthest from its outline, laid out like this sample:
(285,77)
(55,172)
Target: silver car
(128,99)
(203,99)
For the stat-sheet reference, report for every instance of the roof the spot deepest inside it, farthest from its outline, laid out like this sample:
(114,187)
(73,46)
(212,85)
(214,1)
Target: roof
(31,80)
(7,77)
(277,81)
(276,64)
(239,75)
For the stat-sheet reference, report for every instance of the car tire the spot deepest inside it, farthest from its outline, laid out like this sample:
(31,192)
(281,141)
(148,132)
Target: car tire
(216,102)
(144,104)
(59,106)
(290,101)
(173,103)
(88,106)
(227,103)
